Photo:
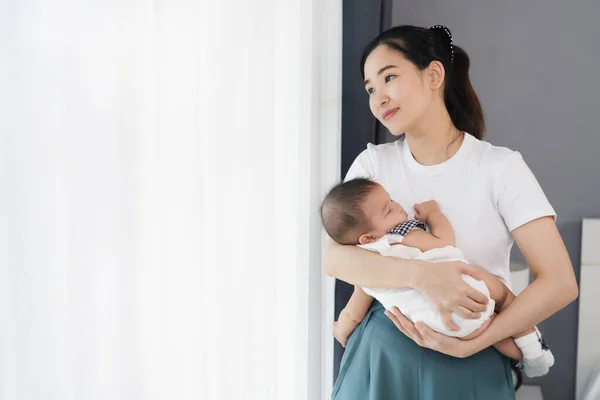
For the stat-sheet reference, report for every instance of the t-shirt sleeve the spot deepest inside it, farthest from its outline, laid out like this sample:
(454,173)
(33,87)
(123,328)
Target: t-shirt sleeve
(520,198)
(363,166)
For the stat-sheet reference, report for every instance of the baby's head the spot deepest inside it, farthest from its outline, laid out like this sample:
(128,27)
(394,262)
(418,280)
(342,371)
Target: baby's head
(360,211)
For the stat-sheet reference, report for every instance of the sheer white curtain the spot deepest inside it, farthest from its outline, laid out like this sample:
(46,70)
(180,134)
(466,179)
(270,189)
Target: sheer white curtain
(161,167)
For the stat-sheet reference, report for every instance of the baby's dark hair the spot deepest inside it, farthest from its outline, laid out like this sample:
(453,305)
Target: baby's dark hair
(342,210)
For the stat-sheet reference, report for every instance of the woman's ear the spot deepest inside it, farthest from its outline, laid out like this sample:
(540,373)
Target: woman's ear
(435,75)
(366,238)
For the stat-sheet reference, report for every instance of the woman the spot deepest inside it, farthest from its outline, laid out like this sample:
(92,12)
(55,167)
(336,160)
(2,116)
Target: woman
(418,84)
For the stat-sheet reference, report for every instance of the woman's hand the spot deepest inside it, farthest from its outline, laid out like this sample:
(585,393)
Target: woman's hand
(427,337)
(441,283)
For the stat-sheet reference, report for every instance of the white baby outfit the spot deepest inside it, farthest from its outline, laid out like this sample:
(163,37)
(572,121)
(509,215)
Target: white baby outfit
(410,301)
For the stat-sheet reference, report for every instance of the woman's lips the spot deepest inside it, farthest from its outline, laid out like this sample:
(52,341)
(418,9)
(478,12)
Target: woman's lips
(389,113)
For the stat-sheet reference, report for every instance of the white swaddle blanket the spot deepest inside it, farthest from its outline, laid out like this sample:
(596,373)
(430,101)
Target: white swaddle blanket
(412,303)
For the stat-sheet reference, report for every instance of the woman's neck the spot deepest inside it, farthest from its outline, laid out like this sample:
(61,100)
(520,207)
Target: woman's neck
(435,140)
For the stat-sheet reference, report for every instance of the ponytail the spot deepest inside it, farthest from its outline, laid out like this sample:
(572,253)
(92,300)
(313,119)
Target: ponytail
(461,100)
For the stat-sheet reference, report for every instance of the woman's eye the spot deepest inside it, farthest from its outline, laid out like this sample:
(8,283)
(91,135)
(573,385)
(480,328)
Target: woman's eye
(389,78)
(370,90)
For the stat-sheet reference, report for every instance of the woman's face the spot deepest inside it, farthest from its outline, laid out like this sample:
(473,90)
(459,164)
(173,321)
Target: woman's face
(398,92)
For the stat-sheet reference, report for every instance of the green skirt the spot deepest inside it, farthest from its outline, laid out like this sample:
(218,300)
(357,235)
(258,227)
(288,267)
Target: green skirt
(381,363)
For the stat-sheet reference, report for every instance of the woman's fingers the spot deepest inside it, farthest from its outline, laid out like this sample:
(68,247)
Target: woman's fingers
(448,321)
(472,306)
(391,316)
(471,271)
(430,337)
(467,313)
(407,327)
(478,297)
(424,336)
(471,291)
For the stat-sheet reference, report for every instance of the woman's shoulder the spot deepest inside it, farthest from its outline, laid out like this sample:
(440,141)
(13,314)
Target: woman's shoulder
(368,162)
(385,148)
(379,153)
(491,157)
(383,152)
(516,192)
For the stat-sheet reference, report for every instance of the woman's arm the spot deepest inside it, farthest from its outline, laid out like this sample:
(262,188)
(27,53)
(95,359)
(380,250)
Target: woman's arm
(518,196)
(441,283)
(368,269)
(553,288)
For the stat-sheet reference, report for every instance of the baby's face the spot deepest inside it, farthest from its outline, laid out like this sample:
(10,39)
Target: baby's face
(383,212)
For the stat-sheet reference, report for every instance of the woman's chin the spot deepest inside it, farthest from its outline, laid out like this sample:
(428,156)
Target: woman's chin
(395,129)
(396,133)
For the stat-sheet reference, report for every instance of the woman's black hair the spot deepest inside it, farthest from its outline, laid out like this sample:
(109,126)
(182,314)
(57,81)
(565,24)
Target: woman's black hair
(421,46)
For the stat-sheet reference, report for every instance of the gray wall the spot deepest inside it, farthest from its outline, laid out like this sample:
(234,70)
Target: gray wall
(534,65)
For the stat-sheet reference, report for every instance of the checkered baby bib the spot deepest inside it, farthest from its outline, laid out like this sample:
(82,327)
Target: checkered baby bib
(404,228)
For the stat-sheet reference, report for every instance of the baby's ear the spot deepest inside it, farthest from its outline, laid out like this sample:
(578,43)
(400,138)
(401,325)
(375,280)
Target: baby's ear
(366,238)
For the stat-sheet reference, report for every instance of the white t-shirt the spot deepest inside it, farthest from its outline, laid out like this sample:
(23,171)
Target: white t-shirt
(485,192)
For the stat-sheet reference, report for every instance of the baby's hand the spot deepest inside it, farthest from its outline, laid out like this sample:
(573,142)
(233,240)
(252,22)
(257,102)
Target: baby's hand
(422,210)
(341,331)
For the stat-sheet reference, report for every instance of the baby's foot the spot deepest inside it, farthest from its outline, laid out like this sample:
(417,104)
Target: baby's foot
(538,366)
(537,357)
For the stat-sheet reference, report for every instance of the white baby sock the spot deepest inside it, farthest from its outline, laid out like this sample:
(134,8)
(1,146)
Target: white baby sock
(537,357)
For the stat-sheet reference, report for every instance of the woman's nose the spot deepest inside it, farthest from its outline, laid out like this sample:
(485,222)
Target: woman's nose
(381,98)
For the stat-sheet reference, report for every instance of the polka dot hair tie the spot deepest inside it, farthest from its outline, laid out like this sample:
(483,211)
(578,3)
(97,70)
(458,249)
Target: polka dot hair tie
(449,37)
